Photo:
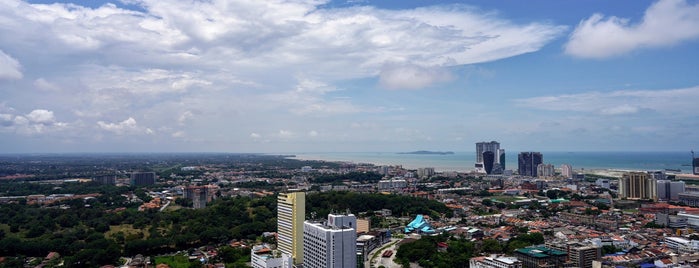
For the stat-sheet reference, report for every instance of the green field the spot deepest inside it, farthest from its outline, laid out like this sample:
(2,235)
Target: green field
(177,261)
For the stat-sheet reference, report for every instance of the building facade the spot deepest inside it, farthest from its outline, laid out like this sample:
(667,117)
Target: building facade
(482,147)
(638,185)
(545,170)
(566,171)
(670,190)
(291,213)
(540,257)
(262,256)
(331,244)
(495,262)
(579,254)
(527,163)
(142,178)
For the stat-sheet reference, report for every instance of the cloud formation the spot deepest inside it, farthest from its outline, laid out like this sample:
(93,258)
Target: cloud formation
(9,67)
(665,23)
(671,101)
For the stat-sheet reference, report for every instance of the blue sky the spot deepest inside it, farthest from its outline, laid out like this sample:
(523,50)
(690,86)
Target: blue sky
(325,76)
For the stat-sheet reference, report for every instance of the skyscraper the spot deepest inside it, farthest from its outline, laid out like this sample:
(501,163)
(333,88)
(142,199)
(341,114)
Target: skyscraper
(695,164)
(500,158)
(143,178)
(482,147)
(291,212)
(330,245)
(638,185)
(527,163)
(488,161)
(670,190)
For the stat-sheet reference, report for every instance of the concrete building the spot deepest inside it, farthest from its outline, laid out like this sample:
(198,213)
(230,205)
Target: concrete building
(200,195)
(638,185)
(331,244)
(392,184)
(105,179)
(142,178)
(495,262)
(566,171)
(689,198)
(545,170)
(425,172)
(291,213)
(579,254)
(363,225)
(528,162)
(540,257)
(670,190)
(262,256)
(482,147)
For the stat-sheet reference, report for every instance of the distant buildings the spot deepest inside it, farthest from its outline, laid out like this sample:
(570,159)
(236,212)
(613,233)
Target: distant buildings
(638,185)
(566,171)
(670,190)
(528,163)
(105,179)
(495,262)
(545,170)
(200,195)
(331,244)
(392,184)
(579,254)
(425,172)
(695,164)
(490,159)
(291,212)
(142,178)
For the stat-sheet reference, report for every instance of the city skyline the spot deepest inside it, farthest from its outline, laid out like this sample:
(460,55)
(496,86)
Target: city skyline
(349,76)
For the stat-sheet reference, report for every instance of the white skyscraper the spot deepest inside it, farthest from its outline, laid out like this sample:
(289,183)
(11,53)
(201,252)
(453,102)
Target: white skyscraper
(482,147)
(330,245)
(566,171)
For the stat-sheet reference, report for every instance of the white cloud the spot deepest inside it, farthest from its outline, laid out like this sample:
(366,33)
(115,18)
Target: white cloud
(255,136)
(285,133)
(665,23)
(179,134)
(41,116)
(412,76)
(9,67)
(670,101)
(42,84)
(128,126)
(313,133)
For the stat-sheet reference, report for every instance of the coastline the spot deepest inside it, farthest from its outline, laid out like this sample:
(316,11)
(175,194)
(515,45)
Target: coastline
(611,164)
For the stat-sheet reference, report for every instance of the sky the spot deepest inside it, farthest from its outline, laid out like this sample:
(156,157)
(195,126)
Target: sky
(348,76)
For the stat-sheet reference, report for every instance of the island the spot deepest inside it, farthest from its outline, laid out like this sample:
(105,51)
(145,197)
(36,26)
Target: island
(427,152)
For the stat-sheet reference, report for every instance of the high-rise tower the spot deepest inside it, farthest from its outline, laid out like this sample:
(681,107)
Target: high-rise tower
(528,161)
(331,244)
(638,185)
(482,147)
(291,212)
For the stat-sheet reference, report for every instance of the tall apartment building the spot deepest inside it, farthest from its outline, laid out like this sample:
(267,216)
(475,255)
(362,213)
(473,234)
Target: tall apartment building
(142,178)
(670,190)
(545,170)
(695,164)
(638,185)
(566,171)
(291,212)
(331,244)
(425,172)
(105,179)
(200,195)
(579,254)
(482,147)
(527,163)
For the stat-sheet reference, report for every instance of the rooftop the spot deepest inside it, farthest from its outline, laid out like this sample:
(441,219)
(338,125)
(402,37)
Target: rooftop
(540,252)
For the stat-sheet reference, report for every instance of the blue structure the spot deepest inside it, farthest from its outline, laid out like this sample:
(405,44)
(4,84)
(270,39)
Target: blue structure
(419,225)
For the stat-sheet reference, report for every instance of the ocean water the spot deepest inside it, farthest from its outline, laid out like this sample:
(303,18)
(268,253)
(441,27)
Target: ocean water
(464,161)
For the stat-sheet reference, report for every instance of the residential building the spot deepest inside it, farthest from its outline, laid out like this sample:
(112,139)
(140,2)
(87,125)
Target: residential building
(262,256)
(566,171)
(291,213)
(670,190)
(200,195)
(142,178)
(528,162)
(105,179)
(689,198)
(331,244)
(544,170)
(638,185)
(392,184)
(425,172)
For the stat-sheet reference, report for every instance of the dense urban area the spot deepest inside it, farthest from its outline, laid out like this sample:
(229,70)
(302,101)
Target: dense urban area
(243,210)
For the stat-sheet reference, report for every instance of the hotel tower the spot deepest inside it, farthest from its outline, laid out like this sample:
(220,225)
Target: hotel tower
(291,212)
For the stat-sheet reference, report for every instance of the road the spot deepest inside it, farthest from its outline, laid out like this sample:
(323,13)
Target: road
(381,261)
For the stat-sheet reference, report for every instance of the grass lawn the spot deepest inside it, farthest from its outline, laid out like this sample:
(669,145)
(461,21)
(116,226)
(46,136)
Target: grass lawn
(127,229)
(177,261)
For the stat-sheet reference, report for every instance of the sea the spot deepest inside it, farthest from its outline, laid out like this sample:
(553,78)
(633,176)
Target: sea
(676,162)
